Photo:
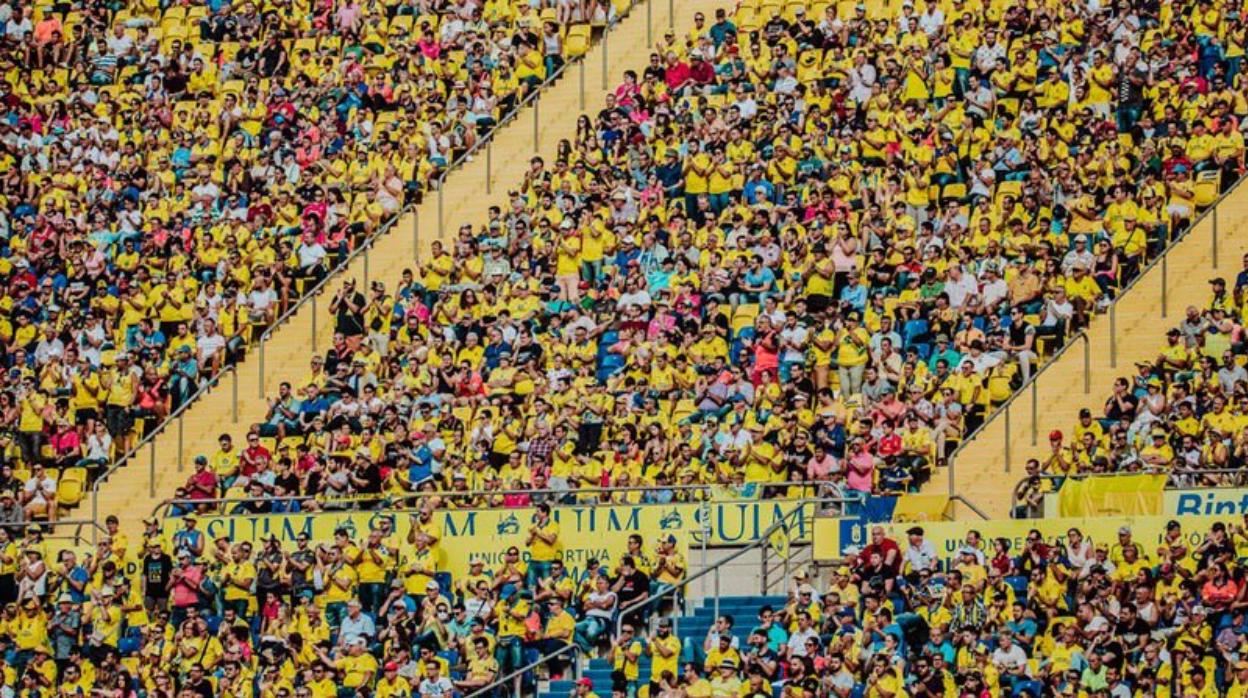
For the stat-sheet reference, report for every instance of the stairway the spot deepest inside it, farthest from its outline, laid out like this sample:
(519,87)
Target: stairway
(690,629)
(131,496)
(989,466)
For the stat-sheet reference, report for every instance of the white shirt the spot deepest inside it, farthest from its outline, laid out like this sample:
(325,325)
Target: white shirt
(436,689)
(931,22)
(921,557)
(41,490)
(797,641)
(311,255)
(1012,658)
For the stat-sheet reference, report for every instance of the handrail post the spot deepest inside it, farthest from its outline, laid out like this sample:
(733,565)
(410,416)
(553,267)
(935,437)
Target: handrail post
(367,250)
(949,465)
(1113,334)
(763,564)
(181,461)
(234,401)
(1164,274)
(606,42)
(314,316)
(671,14)
(537,139)
(716,593)
(650,24)
(1034,400)
(581,71)
(441,217)
(1215,234)
(1087,364)
(706,533)
(151,469)
(1008,407)
(489,164)
(260,383)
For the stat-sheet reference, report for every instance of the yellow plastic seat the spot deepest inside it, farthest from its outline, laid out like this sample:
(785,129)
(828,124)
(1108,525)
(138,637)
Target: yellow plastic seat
(577,42)
(71,486)
(1206,189)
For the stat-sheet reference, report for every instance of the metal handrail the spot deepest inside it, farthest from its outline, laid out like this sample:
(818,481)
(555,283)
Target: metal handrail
(487,141)
(51,527)
(970,505)
(1004,406)
(1171,476)
(764,539)
(407,502)
(1210,211)
(330,275)
(150,439)
(515,677)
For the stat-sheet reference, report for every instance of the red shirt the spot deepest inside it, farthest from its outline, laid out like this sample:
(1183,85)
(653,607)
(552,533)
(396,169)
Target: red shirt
(676,75)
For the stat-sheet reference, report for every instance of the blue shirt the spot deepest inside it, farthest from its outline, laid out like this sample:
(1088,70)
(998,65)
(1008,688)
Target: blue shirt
(856,296)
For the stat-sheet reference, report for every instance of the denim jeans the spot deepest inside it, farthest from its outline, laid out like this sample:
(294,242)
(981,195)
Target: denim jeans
(508,655)
(538,570)
(588,631)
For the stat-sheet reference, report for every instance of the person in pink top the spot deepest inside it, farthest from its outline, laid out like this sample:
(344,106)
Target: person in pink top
(860,469)
(821,465)
(185,582)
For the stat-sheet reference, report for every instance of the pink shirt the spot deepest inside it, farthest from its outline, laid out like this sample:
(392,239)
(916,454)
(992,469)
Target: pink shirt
(182,593)
(861,466)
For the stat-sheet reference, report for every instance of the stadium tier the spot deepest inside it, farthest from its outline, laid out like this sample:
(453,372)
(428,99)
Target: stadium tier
(815,247)
(179,174)
(799,255)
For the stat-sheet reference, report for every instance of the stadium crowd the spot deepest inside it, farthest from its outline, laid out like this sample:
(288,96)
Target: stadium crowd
(804,243)
(1059,615)
(176,175)
(1184,413)
(179,614)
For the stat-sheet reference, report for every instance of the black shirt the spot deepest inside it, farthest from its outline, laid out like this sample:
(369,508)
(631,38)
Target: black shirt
(350,322)
(635,586)
(156,575)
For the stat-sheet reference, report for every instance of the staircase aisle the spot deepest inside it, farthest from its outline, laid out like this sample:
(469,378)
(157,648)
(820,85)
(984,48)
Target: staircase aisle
(983,474)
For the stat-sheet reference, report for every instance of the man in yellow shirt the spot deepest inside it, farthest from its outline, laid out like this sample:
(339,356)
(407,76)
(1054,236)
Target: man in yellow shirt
(664,651)
(559,633)
(544,545)
(356,668)
(669,565)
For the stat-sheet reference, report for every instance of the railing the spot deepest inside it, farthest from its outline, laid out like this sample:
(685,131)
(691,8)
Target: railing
(311,295)
(788,522)
(487,142)
(1174,479)
(412,501)
(969,505)
(1006,408)
(1160,260)
(150,440)
(57,530)
(514,680)
(784,551)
